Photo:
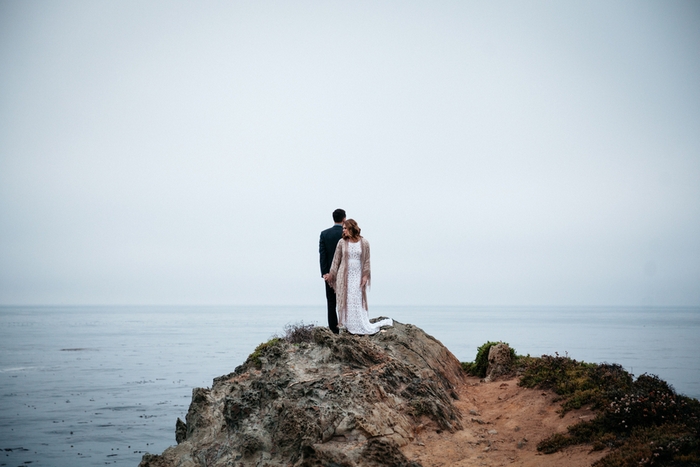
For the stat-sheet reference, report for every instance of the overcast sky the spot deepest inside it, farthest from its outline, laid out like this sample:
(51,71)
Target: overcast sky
(493,153)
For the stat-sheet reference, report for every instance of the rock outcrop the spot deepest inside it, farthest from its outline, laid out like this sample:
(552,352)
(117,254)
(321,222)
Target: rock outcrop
(336,400)
(500,361)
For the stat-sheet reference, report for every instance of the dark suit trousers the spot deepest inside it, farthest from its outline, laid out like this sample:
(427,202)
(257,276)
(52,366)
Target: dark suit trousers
(332,316)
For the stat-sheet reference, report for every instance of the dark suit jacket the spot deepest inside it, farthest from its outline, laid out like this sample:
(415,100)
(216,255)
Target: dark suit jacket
(326,246)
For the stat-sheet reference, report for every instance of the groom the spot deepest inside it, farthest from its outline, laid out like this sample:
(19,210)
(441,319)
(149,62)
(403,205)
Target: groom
(326,249)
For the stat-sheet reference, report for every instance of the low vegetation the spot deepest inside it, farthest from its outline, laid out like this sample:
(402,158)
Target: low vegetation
(481,362)
(298,333)
(643,421)
(261,350)
(576,383)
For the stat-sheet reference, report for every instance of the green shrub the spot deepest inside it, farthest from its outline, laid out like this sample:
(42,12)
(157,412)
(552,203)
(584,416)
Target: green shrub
(667,445)
(262,350)
(643,420)
(650,401)
(577,383)
(479,366)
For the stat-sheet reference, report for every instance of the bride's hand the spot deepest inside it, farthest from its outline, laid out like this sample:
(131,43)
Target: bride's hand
(363,282)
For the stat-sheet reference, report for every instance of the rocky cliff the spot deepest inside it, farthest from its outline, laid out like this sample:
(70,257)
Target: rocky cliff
(331,400)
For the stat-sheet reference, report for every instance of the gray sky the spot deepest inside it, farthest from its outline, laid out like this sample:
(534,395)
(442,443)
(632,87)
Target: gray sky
(493,153)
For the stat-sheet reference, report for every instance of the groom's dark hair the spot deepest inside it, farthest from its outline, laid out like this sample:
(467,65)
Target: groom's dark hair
(338,215)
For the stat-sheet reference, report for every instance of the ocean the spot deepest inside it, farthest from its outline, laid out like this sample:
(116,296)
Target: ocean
(97,385)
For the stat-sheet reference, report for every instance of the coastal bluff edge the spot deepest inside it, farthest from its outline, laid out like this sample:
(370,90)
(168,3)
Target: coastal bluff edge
(399,398)
(331,400)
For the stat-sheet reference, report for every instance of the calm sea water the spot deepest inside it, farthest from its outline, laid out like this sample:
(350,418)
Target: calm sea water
(89,386)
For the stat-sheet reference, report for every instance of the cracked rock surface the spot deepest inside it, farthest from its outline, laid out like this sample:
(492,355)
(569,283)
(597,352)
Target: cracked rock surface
(338,400)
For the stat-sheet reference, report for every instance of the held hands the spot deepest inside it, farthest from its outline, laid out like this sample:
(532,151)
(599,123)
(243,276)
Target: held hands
(363,282)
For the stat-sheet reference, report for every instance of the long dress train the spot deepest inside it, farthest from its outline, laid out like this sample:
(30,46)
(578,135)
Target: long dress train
(358,317)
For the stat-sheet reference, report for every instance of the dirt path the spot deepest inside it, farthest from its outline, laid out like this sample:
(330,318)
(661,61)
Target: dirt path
(502,425)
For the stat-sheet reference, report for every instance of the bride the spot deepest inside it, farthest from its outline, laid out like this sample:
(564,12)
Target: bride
(349,276)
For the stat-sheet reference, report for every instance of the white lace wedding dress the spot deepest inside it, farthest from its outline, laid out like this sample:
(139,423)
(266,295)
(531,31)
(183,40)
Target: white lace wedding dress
(357,317)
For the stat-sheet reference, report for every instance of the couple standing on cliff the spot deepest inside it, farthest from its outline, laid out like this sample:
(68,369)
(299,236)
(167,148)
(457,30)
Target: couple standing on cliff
(345,268)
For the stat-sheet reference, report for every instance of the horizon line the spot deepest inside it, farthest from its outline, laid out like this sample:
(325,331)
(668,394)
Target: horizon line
(4,305)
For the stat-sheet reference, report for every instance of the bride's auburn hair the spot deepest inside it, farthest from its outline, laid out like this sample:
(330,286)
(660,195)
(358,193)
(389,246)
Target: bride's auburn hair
(352,231)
